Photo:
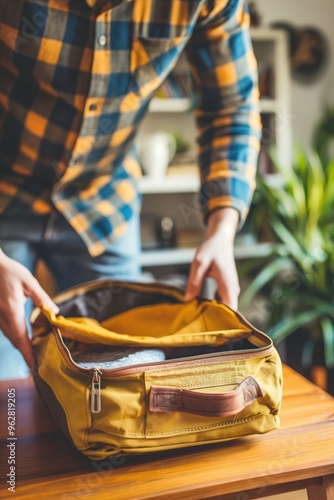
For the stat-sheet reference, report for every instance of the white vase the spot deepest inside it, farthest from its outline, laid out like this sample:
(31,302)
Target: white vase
(155,153)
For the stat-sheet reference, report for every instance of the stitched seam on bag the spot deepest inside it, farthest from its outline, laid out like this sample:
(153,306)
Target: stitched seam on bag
(230,423)
(117,433)
(181,431)
(220,383)
(218,364)
(237,378)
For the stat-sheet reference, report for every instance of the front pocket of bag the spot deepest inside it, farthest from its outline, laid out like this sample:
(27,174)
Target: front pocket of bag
(122,407)
(210,380)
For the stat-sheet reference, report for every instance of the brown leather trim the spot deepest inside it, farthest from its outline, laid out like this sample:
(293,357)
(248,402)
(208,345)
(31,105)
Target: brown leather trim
(170,399)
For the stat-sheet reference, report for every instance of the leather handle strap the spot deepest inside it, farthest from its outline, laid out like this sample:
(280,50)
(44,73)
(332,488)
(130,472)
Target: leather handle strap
(171,399)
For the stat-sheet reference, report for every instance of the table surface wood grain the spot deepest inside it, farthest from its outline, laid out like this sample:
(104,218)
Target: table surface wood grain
(298,455)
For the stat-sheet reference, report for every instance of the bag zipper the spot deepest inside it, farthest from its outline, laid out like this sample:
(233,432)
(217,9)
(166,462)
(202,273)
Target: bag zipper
(96,373)
(158,365)
(95,397)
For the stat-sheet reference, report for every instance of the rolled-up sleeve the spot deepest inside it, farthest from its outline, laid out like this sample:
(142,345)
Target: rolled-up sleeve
(224,70)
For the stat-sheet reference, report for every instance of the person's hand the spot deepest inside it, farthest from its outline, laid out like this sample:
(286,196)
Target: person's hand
(215,258)
(16,285)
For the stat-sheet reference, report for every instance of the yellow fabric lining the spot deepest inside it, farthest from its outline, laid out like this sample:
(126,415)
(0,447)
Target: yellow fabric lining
(192,323)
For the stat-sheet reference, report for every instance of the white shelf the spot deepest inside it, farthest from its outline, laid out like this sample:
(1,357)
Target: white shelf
(267,34)
(182,105)
(179,256)
(167,257)
(268,105)
(169,184)
(184,183)
(253,251)
(170,105)
(271,47)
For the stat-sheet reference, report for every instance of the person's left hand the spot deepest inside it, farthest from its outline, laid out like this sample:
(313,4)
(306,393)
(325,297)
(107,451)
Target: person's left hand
(215,258)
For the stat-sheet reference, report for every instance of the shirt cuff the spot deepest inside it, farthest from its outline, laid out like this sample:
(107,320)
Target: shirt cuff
(227,192)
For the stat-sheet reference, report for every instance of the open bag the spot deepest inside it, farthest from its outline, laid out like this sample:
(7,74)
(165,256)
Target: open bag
(132,367)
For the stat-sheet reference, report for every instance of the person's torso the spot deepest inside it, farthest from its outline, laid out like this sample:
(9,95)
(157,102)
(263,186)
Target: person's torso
(74,85)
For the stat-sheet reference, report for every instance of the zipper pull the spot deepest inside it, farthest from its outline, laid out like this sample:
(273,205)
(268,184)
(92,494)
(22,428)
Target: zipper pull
(95,402)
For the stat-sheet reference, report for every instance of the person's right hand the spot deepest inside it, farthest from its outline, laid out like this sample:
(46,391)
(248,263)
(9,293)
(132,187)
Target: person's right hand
(16,285)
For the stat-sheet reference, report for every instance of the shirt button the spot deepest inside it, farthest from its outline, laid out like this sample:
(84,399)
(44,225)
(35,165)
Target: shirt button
(102,40)
(92,107)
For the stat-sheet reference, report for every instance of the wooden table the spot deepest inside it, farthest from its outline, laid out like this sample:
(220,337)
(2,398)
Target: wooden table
(299,455)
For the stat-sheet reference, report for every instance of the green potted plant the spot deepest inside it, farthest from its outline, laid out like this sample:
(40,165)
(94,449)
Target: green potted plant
(298,206)
(323,137)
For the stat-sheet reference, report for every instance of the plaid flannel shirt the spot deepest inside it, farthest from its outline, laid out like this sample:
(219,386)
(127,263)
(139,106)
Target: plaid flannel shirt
(76,79)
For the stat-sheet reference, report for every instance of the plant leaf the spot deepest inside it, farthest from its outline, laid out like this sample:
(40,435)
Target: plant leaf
(327,327)
(307,353)
(267,274)
(327,202)
(315,193)
(290,241)
(293,184)
(290,325)
(312,301)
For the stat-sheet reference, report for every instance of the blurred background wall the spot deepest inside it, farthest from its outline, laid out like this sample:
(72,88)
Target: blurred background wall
(308,99)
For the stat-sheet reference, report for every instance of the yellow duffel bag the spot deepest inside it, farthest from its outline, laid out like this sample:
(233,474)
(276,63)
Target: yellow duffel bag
(132,367)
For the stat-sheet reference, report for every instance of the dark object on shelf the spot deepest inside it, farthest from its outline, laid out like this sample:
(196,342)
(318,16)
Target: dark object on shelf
(165,231)
(255,16)
(157,232)
(265,80)
(308,51)
(291,32)
(311,54)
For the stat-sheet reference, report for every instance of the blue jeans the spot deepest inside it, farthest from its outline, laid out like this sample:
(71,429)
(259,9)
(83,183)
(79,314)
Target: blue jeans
(28,239)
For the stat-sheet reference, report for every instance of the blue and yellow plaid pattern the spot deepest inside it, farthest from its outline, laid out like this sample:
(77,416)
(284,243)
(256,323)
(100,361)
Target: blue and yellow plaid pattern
(76,79)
